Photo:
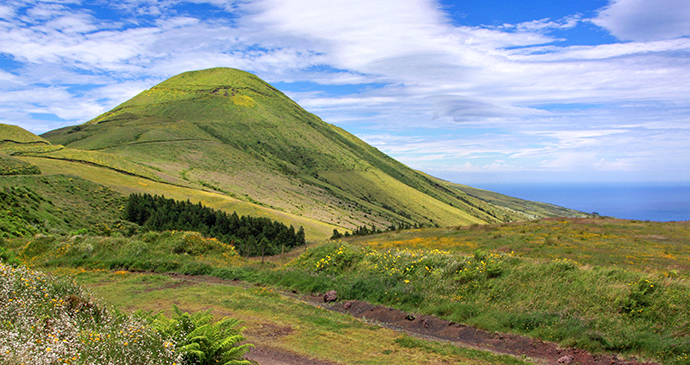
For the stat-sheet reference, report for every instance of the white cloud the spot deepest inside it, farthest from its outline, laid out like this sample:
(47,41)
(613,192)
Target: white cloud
(644,20)
(545,24)
(6,12)
(431,75)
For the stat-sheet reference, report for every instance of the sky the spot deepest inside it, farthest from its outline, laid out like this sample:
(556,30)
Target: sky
(476,91)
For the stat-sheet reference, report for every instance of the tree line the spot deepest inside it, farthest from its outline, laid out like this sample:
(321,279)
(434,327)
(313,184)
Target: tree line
(251,236)
(366,231)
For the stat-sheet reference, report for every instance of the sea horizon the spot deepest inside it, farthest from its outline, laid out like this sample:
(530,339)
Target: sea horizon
(662,202)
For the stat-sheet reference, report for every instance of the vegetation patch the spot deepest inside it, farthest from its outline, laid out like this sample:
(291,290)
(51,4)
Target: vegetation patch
(594,308)
(57,204)
(277,321)
(47,320)
(252,236)
(633,245)
(16,134)
(14,166)
(598,308)
(110,161)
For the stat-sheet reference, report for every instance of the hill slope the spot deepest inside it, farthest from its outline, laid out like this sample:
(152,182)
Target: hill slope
(117,173)
(227,131)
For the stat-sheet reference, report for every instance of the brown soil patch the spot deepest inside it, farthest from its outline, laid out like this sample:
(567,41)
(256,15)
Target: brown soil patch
(271,356)
(178,284)
(267,331)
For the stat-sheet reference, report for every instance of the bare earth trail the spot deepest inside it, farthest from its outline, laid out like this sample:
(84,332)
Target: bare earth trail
(428,328)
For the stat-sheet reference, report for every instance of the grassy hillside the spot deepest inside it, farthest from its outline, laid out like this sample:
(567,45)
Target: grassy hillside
(126,184)
(227,131)
(119,174)
(15,134)
(511,206)
(14,166)
(57,204)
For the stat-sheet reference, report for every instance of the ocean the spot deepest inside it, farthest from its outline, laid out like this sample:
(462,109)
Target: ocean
(654,202)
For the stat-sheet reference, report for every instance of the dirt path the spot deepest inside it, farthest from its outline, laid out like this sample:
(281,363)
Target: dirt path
(429,328)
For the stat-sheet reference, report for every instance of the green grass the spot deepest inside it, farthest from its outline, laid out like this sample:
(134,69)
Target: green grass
(633,245)
(56,204)
(597,308)
(606,301)
(278,321)
(13,166)
(127,184)
(13,133)
(101,159)
(150,251)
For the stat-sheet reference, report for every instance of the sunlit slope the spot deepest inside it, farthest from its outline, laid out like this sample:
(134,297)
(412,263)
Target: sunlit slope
(228,131)
(21,149)
(127,184)
(15,134)
(513,209)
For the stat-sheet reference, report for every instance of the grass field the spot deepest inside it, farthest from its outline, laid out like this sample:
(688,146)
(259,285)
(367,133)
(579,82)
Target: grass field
(278,321)
(655,247)
(56,204)
(603,285)
(12,133)
(104,160)
(13,166)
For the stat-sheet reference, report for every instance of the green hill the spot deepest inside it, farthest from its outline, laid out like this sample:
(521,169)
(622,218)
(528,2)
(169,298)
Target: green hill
(15,134)
(226,131)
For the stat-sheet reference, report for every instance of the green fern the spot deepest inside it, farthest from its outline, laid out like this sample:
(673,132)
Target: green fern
(203,341)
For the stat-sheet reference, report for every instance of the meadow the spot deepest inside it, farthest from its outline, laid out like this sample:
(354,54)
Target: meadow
(97,158)
(658,247)
(600,284)
(275,320)
(57,204)
(13,166)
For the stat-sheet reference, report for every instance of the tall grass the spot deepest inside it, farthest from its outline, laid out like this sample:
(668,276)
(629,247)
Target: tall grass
(169,251)
(594,308)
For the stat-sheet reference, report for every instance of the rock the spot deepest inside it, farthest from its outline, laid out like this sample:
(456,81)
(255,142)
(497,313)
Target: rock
(567,359)
(410,317)
(348,305)
(330,296)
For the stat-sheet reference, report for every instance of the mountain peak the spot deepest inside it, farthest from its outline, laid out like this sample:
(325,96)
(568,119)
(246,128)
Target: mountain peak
(213,77)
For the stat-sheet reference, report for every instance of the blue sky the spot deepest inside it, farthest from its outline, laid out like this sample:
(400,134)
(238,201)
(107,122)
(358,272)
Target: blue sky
(480,91)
